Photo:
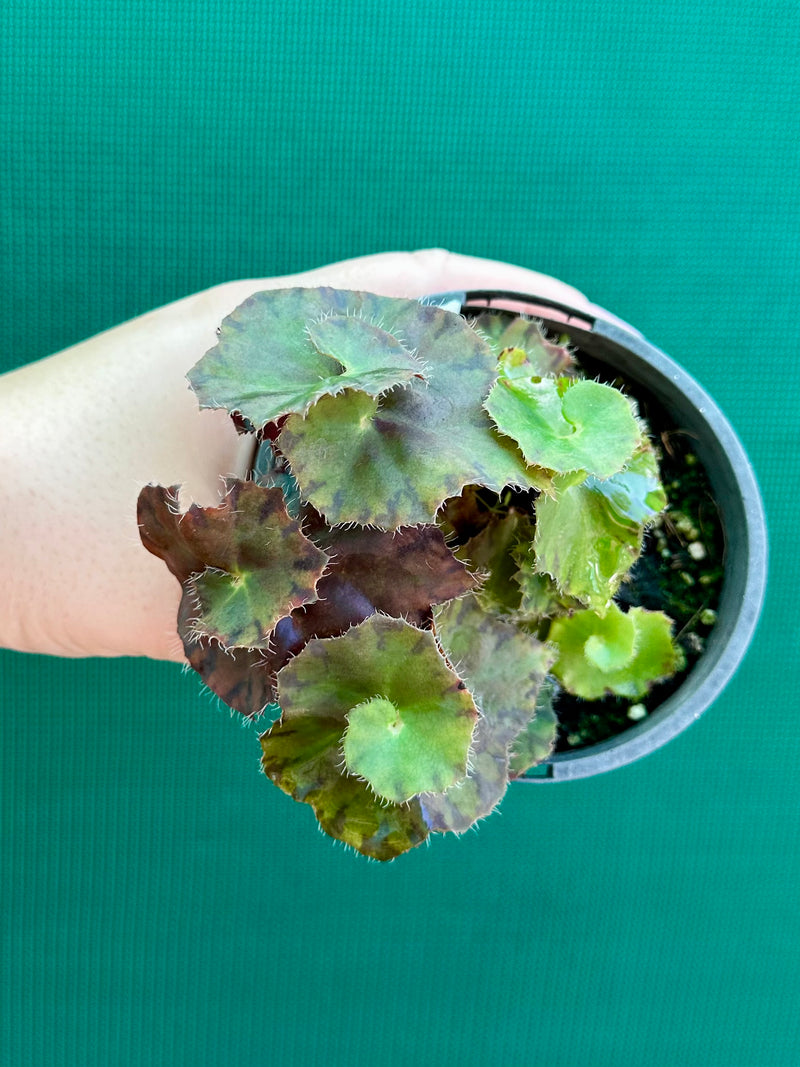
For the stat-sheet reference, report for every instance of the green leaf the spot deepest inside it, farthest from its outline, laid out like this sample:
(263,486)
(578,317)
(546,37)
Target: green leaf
(634,496)
(534,745)
(566,425)
(239,609)
(245,564)
(478,794)
(501,665)
(302,753)
(302,756)
(588,536)
(534,355)
(391,660)
(622,654)
(374,361)
(399,457)
(540,597)
(491,554)
(504,668)
(283,349)
(610,647)
(537,741)
(579,543)
(402,751)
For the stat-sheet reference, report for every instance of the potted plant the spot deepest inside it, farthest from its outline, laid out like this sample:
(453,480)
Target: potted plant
(454,534)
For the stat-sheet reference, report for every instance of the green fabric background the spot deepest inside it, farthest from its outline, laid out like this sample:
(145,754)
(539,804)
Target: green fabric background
(162,903)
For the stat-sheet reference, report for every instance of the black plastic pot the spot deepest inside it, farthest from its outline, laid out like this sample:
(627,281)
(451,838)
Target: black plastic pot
(649,370)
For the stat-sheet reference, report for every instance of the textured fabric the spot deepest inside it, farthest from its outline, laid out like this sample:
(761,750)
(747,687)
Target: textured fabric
(162,903)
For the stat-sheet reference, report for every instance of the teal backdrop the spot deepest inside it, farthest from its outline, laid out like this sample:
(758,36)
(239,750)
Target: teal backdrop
(162,903)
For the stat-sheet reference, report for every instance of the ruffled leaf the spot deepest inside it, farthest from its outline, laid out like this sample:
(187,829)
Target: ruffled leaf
(402,751)
(504,669)
(477,795)
(540,596)
(400,573)
(239,676)
(617,653)
(402,666)
(566,425)
(303,752)
(399,457)
(302,756)
(491,553)
(246,563)
(588,536)
(501,665)
(283,349)
(161,529)
(534,354)
(537,741)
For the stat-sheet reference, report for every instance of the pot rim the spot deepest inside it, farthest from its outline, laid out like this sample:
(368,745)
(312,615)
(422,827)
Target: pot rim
(736,493)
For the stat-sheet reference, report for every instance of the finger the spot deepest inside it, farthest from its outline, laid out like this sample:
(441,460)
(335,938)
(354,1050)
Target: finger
(428,271)
(415,274)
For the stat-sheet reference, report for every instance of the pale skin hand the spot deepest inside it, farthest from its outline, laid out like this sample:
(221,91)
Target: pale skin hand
(82,431)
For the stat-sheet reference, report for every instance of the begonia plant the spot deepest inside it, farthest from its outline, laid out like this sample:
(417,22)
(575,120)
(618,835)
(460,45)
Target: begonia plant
(427,552)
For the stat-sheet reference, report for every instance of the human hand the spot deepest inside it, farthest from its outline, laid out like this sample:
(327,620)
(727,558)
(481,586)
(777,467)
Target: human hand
(82,431)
